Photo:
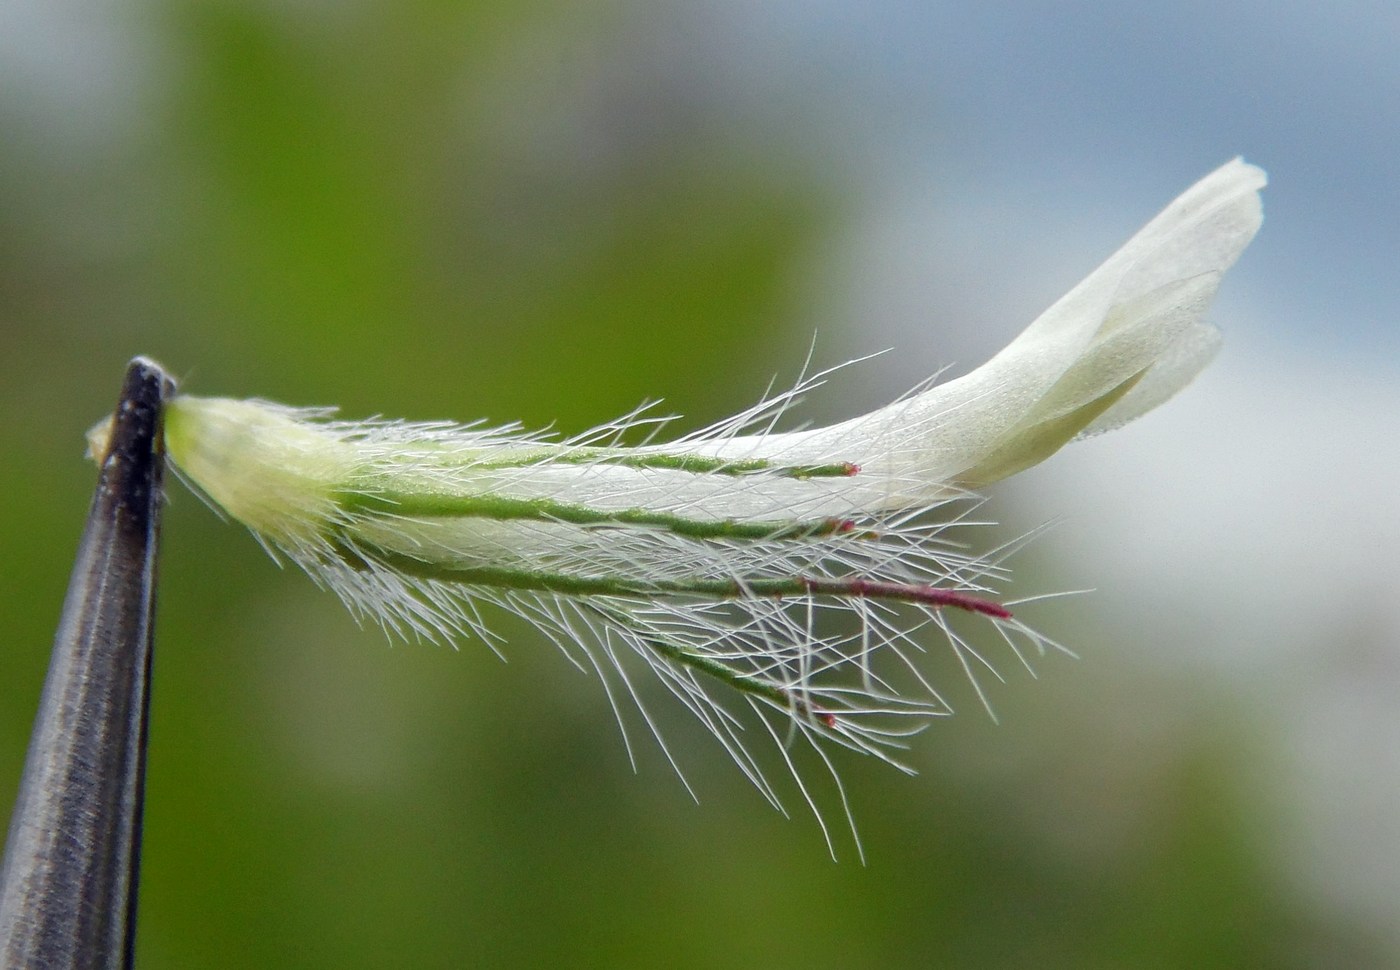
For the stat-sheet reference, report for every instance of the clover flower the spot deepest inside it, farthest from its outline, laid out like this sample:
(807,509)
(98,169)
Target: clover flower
(791,573)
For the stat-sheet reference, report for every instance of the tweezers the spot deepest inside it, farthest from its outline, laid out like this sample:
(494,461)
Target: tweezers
(68,886)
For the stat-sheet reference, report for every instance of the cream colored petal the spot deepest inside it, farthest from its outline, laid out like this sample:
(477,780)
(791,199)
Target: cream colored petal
(1192,351)
(1119,324)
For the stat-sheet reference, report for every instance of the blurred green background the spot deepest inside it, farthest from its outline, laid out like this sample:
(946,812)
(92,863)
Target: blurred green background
(550,212)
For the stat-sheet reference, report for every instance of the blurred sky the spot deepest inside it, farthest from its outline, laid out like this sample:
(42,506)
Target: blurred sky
(983,158)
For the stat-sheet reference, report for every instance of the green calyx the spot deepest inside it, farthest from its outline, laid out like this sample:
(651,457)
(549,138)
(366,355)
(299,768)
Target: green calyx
(442,506)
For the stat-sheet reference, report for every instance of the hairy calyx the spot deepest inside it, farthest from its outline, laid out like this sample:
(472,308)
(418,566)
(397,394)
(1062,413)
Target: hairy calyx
(797,572)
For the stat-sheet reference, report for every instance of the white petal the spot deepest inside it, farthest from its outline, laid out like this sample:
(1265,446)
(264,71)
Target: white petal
(1128,321)
(1186,358)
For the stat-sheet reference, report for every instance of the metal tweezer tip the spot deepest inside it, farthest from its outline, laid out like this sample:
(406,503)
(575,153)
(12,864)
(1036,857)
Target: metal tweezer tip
(68,887)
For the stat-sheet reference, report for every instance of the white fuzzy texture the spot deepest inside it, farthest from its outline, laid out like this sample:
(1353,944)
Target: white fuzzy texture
(629,562)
